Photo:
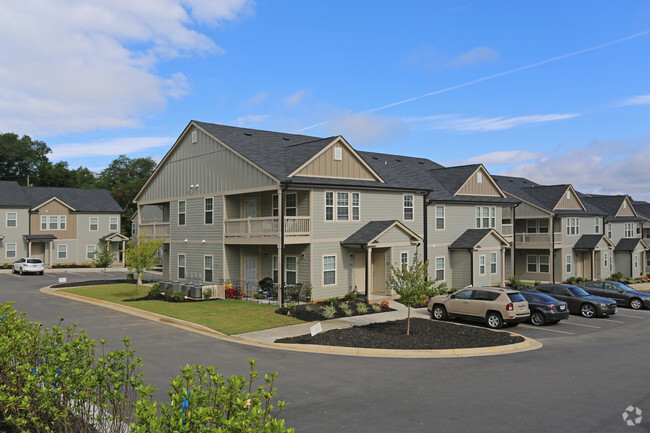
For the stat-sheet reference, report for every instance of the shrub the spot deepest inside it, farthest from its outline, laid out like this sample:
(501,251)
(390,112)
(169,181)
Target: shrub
(384,304)
(571,280)
(179,296)
(206,292)
(130,278)
(514,281)
(376,308)
(291,306)
(362,307)
(329,311)
(259,296)
(346,309)
(616,276)
(351,296)
(155,291)
(333,301)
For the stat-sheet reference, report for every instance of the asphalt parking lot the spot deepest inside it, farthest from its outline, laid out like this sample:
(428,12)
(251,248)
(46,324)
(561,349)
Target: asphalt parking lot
(583,380)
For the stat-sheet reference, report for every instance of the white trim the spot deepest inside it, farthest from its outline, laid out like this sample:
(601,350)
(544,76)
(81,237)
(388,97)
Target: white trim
(90,224)
(536,271)
(94,252)
(405,207)
(15,251)
(401,259)
(211,268)
(286,268)
(184,213)
(178,266)
(206,211)
(65,251)
(569,266)
(444,266)
(110,224)
(436,217)
(494,262)
(15,220)
(481,264)
(323,270)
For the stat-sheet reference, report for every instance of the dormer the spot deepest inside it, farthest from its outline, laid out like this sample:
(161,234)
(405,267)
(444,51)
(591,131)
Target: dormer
(569,201)
(480,183)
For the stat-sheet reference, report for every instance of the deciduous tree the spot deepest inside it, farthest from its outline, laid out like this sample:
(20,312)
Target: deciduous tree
(140,255)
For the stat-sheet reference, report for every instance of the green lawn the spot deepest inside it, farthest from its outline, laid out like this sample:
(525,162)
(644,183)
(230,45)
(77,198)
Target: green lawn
(228,316)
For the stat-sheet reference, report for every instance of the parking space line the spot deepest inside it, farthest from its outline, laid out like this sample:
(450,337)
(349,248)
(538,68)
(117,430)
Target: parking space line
(627,315)
(74,273)
(615,321)
(580,324)
(546,329)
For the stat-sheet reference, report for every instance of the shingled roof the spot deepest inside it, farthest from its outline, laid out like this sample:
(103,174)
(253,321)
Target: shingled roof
(628,244)
(80,199)
(610,204)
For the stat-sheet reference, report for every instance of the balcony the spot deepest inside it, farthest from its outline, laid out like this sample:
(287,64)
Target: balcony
(266,230)
(536,240)
(156,229)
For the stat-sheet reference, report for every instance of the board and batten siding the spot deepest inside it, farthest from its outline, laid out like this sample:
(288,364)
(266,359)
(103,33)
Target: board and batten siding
(194,260)
(206,163)
(486,187)
(348,167)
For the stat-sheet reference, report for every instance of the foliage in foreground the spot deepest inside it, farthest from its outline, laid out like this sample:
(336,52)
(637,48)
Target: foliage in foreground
(50,381)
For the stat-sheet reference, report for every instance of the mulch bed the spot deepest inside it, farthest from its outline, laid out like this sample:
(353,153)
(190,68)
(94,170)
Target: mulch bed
(314,311)
(425,334)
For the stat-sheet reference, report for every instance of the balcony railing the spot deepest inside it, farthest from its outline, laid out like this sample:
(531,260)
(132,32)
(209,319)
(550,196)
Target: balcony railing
(267,226)
(155,229)
(536,240)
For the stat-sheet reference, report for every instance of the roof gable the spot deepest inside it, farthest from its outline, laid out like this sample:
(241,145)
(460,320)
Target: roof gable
(480,183)
(53,199)
(471,238)
(337,159)
(375,231)
(626,209)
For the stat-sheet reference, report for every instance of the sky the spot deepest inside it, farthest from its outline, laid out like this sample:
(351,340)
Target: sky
(555,91)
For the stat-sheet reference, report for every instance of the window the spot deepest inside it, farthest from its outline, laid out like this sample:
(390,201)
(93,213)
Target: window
(636,261)
(291,269)
(291,204)
(62,251)
(543,226)
(348,206)
(342,206)
(404,261)
(493,263)
(207,210)
(62,221)
(568,263)
(531,226)
(531,263)
(408,207)
(440,217)
(338,154)
(274,206)
(605,259)
(276,275)
(596,225)
(10,251)
(94,224)
(181,212)
(481,265)
(609,230)
(329,206)
(329,270)
(181,266)
(356,206)
(629,230)
(485,217)
(90,252)
(112,224)
(207,269)
(440,268)
(54,222)
(647,260)
(11,219)
(43,222)
(134,229)
(573,226)
(544,264)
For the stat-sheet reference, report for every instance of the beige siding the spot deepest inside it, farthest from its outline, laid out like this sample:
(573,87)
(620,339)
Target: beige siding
(205,163)
(568,203)
(349,167)
(54,208)
(625,209)
(487,186)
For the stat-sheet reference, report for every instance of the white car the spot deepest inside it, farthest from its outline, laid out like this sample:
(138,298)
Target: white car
(28,264)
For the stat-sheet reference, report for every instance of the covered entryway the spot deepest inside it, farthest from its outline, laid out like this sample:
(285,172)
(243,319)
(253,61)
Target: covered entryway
(372,247)
(40,246)
(117,244)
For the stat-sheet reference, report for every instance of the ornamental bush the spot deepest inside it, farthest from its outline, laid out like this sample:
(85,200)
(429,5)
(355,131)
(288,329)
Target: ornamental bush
(52,381)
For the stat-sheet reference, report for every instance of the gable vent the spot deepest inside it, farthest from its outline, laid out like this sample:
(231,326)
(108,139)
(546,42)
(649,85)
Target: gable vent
(338,154)
(195,137)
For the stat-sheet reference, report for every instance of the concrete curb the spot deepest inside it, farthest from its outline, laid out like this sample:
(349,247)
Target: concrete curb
(527,345)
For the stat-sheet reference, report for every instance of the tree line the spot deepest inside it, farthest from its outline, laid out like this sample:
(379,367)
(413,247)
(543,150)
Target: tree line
(25,161)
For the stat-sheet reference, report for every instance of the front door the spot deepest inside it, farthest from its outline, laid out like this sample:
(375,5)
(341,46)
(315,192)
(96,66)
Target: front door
(38,251)
(597,265)
(360,272)
(250,269)
(379,273)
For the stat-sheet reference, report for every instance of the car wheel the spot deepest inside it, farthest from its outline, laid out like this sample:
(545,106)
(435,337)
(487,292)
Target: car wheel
(20,271)
(494,320)
(42,272)
(439,312)
(13,270)
(636,303)
(537,318)
(588,310)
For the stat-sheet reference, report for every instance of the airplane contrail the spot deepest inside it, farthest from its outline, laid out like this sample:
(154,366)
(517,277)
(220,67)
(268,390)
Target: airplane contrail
(490,77)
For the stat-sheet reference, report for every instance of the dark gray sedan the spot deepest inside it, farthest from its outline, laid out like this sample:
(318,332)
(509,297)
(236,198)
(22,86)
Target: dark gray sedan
(625,296)
(579,301)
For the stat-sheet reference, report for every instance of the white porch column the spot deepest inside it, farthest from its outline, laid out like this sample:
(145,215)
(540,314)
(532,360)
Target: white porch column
(123,253)
(29,248)
(369,281)
(503,267)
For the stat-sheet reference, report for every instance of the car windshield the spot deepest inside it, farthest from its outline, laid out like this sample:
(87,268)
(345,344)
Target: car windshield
(577,291)
(624,287)
(34,261)
(516,297)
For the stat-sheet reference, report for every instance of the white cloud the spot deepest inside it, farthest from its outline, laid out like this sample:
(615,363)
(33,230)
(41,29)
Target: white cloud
(365,129)
(256,100)
(295,98)
(473,57)
(500,158)
(607,167)
(481,124)
(119,146)
(636,100)
(252,118)
(70,66)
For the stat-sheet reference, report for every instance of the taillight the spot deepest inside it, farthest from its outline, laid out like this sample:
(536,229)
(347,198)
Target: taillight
(510,307)
(551,307)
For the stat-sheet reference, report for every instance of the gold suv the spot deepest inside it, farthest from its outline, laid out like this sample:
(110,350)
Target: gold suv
(492,305)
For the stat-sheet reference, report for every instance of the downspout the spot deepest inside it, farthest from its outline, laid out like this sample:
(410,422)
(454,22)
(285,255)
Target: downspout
(281,270)
(553,250)
(471,266)
(425,199)
(367,270)
(513,248)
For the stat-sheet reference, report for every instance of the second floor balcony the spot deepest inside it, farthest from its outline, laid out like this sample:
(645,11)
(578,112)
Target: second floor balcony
(297,229)
(156,229)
